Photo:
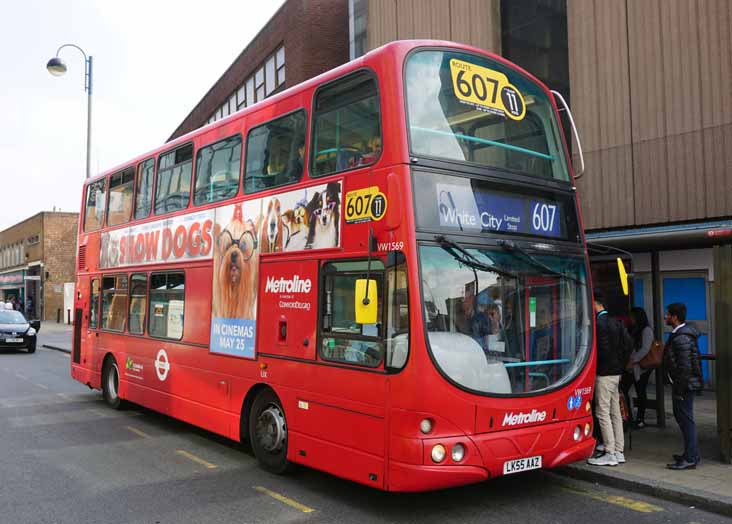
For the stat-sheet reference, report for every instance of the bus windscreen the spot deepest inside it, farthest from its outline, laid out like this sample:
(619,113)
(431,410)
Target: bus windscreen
(468,108)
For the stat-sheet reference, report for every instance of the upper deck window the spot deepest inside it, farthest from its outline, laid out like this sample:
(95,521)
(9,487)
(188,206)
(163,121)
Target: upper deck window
(96,201)
(120,197)
(217,171)
(347,125)
(275,153)
(174,180)
(468,108)
(143,198)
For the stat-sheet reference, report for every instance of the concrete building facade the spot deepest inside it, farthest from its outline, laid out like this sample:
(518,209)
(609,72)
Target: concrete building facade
(37,260)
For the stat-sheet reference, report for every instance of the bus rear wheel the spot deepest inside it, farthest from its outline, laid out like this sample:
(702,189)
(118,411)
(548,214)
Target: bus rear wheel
(110,383)
(268,432)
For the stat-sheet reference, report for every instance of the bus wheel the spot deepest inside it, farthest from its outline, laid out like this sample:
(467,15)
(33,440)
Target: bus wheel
(268,432)
(110,383)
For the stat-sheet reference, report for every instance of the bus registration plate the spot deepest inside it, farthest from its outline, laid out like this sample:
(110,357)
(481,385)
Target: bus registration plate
(522,464)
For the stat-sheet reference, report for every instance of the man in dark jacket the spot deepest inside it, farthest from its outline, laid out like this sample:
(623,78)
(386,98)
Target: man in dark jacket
(684,371)
(607,397)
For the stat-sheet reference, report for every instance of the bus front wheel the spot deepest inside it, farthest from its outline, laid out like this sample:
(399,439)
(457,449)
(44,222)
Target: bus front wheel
(268,432)
(110,383)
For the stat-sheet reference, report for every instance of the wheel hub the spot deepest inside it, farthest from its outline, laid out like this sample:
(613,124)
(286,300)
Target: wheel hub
(271,430)
(113,381)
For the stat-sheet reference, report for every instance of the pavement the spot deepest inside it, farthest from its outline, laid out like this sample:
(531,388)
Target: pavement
(647,452)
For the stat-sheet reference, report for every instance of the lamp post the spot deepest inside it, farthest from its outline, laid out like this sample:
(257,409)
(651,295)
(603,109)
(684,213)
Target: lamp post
(57,67)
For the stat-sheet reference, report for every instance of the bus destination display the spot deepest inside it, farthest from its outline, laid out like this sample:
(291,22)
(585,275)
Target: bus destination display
(468,209)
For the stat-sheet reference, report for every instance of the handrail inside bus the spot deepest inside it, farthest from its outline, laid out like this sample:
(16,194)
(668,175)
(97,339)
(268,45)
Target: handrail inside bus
(486,142)
(536,363)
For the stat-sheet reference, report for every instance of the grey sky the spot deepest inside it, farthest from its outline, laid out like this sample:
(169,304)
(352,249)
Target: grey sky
(153,60)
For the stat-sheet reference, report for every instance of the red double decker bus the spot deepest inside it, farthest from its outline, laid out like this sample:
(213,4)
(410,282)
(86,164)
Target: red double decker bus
(380,273)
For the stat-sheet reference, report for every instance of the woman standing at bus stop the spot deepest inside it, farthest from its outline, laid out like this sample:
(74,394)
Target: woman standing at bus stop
(642,334)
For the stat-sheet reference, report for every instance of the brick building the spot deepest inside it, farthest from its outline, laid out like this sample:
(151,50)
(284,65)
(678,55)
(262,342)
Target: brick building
(37,259)
(309,37)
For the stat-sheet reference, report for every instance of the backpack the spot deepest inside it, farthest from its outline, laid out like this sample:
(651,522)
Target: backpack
(623,342)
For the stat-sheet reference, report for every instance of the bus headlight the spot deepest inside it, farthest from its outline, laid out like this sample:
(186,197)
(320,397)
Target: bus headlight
(438,453)
(458,452)
(587,429)
(577,433)
(425,426)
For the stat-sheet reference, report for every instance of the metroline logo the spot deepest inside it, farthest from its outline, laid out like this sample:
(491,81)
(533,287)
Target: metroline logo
(512,419)
(284,285)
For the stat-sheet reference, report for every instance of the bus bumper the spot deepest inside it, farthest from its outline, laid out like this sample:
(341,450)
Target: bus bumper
(487,453)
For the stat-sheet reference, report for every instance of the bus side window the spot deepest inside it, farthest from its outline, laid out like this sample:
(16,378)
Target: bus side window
(167,304)
(275,153)
(217,171)
(114,302)
(347,125)
(138,303)
(174,180)
(397,321)
(143,196)
(342,339)
(94,304)
(120,197)
(96,200)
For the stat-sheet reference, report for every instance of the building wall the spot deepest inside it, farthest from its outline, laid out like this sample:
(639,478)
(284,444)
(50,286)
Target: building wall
(473,22)
(315,37)
(651,97)
(59,246)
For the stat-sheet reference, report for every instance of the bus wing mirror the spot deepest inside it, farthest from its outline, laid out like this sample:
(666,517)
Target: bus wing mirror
(366,304)
(623,276)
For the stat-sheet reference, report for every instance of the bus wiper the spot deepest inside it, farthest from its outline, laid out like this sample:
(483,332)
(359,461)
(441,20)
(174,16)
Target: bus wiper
(510,246)
(463,256)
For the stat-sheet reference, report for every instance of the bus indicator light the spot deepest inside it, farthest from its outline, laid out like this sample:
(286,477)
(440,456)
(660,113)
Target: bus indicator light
(425,426)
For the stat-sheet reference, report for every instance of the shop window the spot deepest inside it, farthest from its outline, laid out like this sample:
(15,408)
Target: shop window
(120,197)
(342,339)
(174,180)
(96,200)
(347,125)
(138,303)
(217,171)
(167,304)
(94,304)
(114,302)
(275,153)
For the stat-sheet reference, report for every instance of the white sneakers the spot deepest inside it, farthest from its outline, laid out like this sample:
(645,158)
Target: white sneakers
(607,459)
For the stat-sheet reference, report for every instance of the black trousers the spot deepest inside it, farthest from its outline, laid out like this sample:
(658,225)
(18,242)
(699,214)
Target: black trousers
(628,380)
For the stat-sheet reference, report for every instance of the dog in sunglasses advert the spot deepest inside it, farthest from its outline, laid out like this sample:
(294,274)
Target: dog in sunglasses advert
(236,263)
(325,218)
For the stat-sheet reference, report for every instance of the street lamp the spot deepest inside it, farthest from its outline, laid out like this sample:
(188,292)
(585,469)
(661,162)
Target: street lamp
(57,67)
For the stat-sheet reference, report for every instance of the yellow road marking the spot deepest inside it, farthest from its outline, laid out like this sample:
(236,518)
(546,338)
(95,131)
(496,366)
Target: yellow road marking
(138,432)
(285,500)
(194,458)
(635,505)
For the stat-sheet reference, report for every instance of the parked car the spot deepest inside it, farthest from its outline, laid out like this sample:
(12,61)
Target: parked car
(16,331)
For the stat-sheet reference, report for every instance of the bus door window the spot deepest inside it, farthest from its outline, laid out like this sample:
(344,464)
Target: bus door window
(347,125)
(167,304)
(275,153)
(94,304)
(397,315)
(120,197)
(543,330)
(114,302)
(96,201)
(342,339)
(138,303)
(144,188)
(217,171)
(174,180)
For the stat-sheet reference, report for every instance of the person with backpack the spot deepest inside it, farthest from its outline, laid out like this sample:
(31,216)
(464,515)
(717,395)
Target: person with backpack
(684,372)
(611,341)
(642,334)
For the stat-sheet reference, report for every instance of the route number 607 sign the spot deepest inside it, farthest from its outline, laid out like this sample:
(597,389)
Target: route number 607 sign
(486,90)
(364,205)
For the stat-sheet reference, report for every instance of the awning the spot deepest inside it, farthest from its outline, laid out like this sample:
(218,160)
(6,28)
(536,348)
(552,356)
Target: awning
(673,236)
